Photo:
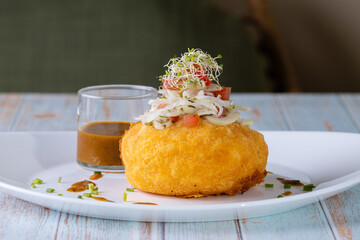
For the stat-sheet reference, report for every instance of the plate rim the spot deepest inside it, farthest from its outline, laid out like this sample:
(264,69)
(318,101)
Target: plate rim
(313,196)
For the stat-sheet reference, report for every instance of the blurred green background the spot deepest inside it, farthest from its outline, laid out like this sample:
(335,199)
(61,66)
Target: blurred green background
(62,46)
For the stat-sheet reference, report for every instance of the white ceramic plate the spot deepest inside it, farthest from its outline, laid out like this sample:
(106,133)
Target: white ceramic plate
(328,160)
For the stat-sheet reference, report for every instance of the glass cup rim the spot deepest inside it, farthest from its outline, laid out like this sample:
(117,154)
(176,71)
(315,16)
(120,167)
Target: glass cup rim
(151,91)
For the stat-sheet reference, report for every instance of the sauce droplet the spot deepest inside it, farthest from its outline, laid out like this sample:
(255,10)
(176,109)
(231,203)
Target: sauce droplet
(145,203)
(286,193)
(101,199)
(96,176)
(295,183)
(79,186)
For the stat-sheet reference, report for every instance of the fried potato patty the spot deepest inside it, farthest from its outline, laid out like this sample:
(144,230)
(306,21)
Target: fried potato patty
(204,160)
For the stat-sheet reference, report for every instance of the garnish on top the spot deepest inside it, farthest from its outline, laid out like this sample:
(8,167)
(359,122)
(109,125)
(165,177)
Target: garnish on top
(190,91)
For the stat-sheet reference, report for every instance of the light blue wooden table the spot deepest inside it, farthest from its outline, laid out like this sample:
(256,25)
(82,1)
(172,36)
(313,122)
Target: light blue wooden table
(335,218)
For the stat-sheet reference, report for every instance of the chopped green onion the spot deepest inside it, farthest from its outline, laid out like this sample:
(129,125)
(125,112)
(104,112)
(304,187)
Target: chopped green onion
(130,189)
(125,197)
(50,190)
(268,185)
(191,106)
(280,196)
(96,189)
(59,180)
(94,192)
(308,187)
(86,194)
(80,196)
(37,181)
(60,194)
(97,172)
(287,185)
(33,185)
(91,187)
(149,124)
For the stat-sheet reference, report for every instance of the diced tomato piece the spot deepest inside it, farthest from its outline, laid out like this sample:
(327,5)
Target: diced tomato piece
(191,120)
(166,84)
(206,79)
(199,71)
(174,119)
(224,93)
(162,105)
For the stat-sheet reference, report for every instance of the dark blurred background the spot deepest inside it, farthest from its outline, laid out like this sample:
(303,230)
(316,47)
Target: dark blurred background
(61,46)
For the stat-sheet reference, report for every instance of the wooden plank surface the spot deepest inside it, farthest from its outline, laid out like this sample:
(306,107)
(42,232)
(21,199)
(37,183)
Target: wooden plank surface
(316,112)
(202,230)
(264,111)
(24,220)
(351,103)
(78,227)
(48,112)
(10,104)
(337,217)
(308,222)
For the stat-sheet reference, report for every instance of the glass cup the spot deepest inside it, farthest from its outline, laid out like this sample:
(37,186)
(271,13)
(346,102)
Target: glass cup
(104,113)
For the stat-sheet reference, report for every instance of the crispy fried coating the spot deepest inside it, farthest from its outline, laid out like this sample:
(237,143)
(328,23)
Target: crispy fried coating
(204,160)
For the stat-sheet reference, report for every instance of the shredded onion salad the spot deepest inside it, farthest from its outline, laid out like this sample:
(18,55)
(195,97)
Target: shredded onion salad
(191,91)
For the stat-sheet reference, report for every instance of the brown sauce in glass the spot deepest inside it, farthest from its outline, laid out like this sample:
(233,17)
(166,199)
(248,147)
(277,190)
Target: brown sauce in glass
(80,186)
(95,176)
(145,203)
(286,193)
(101,199)
(98,143)
(294,183)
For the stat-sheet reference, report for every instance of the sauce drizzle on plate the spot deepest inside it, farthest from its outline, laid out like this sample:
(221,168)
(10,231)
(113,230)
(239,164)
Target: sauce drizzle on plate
(145,203)
(80,186)
(96,176)
(294,183)
(101,199)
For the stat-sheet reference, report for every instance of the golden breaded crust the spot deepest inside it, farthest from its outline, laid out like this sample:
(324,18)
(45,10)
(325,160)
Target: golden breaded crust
(194,161)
